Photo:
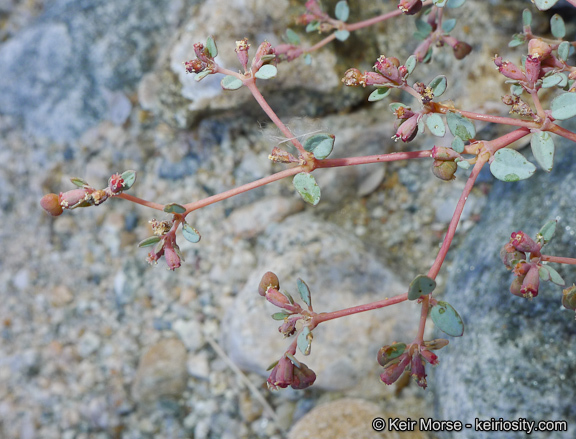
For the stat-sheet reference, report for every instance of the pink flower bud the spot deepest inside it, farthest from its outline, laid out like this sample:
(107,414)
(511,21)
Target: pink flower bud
(524,243)
(532,69)
(195,66)
(443,153)
(389,68)
(73,198)
(410,7)
(516,286)
(508,254)
(373,78)
(172,253)
(408,129)
(313,7)
(430,357)
(287,52)
(394,371)
(264,49)
(509,69)
(531,283)
(241,50)
(418,371)
(288,328)
(537,47)
(286,373)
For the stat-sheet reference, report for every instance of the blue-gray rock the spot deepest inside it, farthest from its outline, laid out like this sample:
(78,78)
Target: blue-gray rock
(58,73)
(516,358)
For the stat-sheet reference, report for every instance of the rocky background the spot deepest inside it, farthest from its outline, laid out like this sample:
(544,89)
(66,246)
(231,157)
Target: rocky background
(95,343)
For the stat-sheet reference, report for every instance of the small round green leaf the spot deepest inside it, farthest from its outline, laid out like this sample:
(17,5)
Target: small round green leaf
(79,182)
(455,3)
(423,27)
(211,46)
(307,187)
(438,85)
(280,315)
(447,319)
(230,82)
(304,340)
(420,286)
(526,17)
(129,178)
(509,165)
(458,145)
(379,93)
(516,89)
(342,11)
(174,208)
(546,232)
(266,72)
(411,64)
(448,25)
(460,126)
(553,80)
(190,233)
(564,106)
(436,125)
(439,3)
(149,241)
(312,26)
(517,40)
(308,59)
(304,292)
(555,277)
(544,5)
(557,26)
(462,164)
(564,50)
(292,37)
(320,144)
(342,35)
(543,149)
(200,76)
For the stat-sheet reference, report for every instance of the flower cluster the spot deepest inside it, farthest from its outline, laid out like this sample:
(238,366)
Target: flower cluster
(164,241)
(398,357)
(523,256)
(203,63)
(86,195)
(290,372)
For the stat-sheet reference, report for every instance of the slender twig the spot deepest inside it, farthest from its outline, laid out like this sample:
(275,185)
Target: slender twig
(558,259)
(141,201)
(379,158)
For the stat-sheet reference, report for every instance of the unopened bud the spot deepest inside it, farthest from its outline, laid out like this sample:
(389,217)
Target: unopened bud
(569,298)
(537,47)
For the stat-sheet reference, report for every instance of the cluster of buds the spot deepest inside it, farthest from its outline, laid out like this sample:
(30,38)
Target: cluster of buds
(315,14)
(539,61)
(398,357)
(437,37)
(290,372)
(389,73)
(164,242)
(203,62)
(86,195)
(514,255)
(291,313)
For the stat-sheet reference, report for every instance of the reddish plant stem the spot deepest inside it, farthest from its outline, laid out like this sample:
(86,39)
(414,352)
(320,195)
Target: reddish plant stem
(321,43)
(439,108)
(423,318)
(240,189)
(392,157)
(556,129)
(142,202)
(558,259)
(251,84)
(572,2)
(435,269)
(494,145)
(538,105)
(325,316)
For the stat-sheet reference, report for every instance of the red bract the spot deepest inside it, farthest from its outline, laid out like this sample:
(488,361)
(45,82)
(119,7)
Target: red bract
(410,7)
(116,183)
(531,283)
(389,68)
(524,243)
(418,370)
(394,371)
(241,50)
(509,69)
(408,129)
(532,69)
